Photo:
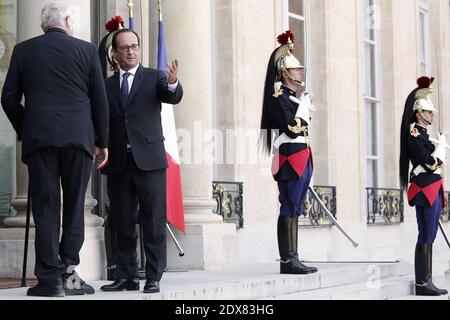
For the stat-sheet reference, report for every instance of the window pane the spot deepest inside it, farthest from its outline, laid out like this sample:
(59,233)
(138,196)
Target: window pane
(369,70)
(369,137)
(371,129)
(296,7)
(371,174)
(374,126)
(423,68)
(373,70)
(423,41)
(367,23)
(371,17)
(298,28)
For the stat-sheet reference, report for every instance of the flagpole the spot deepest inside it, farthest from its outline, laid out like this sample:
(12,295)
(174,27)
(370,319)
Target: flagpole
(130,12)
(169,230)
(160,10)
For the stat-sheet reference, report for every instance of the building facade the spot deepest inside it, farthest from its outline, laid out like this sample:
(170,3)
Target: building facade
(362,60)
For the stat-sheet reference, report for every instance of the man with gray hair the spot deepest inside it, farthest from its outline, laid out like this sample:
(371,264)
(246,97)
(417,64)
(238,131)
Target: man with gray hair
(63,126)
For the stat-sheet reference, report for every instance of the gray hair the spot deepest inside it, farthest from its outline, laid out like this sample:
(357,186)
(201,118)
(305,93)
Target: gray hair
(54,14)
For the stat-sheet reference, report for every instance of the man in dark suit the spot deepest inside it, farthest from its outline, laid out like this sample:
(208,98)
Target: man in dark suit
(137,163)
(65,114)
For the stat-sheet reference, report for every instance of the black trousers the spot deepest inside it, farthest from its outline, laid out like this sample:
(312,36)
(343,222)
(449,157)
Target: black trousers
(50,169)
(149,188)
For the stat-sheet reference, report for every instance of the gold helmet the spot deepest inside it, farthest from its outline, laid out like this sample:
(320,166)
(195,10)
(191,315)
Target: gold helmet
(115,24)
(422,96)
(284,59)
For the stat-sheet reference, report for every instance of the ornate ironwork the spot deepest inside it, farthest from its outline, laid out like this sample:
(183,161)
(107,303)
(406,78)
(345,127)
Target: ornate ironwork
(229,201)
(384,206)
(445,216)
(5,204)
(312,214)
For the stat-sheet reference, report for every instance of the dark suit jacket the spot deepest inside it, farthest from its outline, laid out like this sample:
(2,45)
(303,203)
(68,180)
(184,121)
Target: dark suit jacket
(65,99)
(139,123)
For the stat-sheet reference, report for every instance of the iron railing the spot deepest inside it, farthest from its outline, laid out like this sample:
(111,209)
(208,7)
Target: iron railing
(445,216)
(384,206)
(312,213)
(229,201)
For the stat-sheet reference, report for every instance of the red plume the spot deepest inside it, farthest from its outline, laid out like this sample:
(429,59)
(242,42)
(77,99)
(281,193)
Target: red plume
(284,37)
(425,82)
(114,24)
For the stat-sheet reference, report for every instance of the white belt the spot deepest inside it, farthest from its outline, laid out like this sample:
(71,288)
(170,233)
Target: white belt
(284,138)
(419,169)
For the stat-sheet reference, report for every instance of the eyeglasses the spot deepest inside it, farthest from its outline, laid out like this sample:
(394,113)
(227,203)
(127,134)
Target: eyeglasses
(134,47)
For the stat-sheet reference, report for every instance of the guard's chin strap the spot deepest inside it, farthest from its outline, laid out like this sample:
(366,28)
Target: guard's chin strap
(423,118)
(288,75)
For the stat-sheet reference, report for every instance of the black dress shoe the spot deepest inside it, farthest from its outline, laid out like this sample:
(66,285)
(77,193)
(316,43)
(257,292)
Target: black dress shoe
(46,291)
(75,286)
(151,286)
(293,266)
(121,285)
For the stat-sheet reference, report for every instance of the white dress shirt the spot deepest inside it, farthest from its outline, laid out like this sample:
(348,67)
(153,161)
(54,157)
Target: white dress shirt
(132,72)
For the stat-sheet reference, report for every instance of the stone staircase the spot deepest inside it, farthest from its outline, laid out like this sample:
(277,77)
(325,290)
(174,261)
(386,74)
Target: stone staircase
(263,282)
(441,282)
(398,284)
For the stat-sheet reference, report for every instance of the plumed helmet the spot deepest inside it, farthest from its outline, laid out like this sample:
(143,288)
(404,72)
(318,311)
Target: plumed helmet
(422,96)
(105,49)
(284,59)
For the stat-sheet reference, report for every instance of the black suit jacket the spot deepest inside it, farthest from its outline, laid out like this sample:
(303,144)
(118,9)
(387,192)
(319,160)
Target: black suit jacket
(65,99)
(139,122)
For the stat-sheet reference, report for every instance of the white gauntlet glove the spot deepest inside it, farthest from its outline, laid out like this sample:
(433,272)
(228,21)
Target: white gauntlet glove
(304,107)
(441,149)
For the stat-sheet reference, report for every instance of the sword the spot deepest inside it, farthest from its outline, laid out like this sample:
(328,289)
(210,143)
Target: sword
(181,252)
(331,217)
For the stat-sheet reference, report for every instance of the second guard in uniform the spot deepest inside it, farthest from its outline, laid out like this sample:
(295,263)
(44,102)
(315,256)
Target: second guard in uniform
(425,190)
(287,117)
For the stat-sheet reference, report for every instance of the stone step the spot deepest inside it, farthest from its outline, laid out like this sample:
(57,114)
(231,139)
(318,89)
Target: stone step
(383,289)
(442,281)
(248,282)
(419,298)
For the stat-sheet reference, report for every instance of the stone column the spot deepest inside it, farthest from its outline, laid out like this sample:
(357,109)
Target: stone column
(92,257)
(20,202)
(28,26)
(208,242)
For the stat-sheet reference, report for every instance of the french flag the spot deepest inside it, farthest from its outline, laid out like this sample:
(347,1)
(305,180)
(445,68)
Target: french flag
(174,197)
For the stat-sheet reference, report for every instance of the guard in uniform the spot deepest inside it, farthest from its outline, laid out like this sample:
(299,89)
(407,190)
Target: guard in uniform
(285,120)
(425,190)
(112,26)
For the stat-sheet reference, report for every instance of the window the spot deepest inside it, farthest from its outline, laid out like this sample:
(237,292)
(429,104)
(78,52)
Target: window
(372,90)
(424,37)
(295,22)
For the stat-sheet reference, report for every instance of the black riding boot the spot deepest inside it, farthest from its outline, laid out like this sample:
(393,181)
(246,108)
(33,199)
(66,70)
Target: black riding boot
(289,264)
(423,262)
(294,245)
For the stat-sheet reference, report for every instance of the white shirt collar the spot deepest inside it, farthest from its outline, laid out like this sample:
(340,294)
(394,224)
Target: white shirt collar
(132,71)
